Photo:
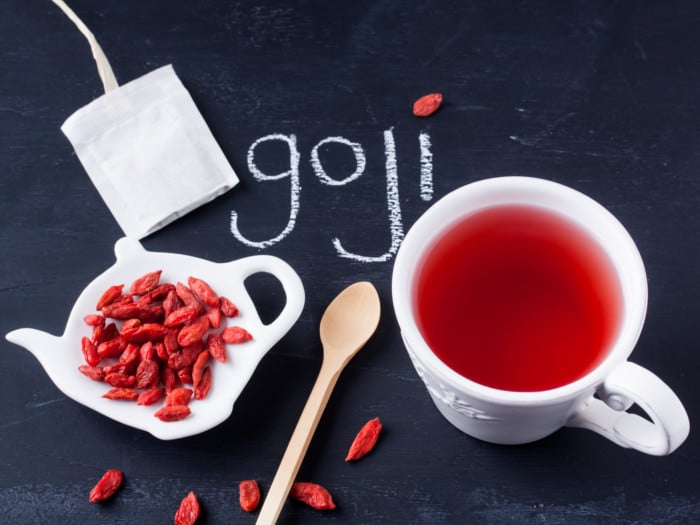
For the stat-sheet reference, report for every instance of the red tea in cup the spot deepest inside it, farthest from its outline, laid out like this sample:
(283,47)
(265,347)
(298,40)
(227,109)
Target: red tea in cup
(518,298)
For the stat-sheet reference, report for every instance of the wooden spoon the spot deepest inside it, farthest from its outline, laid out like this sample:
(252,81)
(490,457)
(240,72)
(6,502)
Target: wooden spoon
(346,325)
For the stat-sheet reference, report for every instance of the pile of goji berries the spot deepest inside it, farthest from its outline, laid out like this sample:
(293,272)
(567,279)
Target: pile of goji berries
(155,339)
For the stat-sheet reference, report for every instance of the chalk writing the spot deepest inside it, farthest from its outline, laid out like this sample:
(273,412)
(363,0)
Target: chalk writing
(295,188)
(360,161)
(426,167)
(396,228)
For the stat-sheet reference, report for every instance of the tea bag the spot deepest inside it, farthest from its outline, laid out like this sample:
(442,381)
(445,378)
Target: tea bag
(146,147)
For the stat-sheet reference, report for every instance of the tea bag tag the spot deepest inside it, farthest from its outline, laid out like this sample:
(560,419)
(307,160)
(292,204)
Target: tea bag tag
(146,147)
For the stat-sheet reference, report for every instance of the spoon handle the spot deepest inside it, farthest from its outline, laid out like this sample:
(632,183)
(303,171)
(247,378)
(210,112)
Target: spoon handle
(298,444)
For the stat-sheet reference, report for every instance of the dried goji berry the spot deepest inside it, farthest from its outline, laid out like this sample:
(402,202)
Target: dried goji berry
(179,396)
(145,283)
(185,375)
(147,374)
(427,105)
(94,320)
(313,494)
(150,396)
(249,495)
(187,297)
(193,332)
(181,316)
(170,340)
(186,356)
(122,312)
(129,357)
(173,413)
(147,332)
(109,296)
(93,372)
(227,307)
(235,334)
(161,352)
(169,378)
(365,440)
(188,512)
(129,328)
(126,298)
(111,348)
(122,394)
(106,333)
(156,294)
(202,388)
(120,380)
(199,366)
(214,315)
(115,369)
(107,486)
(89,351)
(216,347)
(203,292)
(171,302)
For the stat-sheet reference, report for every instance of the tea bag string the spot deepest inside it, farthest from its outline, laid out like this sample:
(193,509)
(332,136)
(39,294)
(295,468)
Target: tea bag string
(103,68)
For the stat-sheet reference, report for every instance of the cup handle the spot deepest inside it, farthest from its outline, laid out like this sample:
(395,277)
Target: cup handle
(627,384)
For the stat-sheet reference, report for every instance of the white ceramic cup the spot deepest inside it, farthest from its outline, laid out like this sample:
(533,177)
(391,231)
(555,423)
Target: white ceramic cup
(597,401)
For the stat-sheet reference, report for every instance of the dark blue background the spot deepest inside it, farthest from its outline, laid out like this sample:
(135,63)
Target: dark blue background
(601,96)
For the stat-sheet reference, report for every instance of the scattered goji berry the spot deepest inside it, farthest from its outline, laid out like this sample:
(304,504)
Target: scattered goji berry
(235,335)
(122,394)
(145,283)
(188,512)
(107,486)
(156,294)
(313,494)
(365,440)
(173,413)
(203,292)
(227,307)
(427,105)
(109,296)
(249,495)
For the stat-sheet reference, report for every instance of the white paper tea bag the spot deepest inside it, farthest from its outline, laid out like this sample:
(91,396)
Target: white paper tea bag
(146,147)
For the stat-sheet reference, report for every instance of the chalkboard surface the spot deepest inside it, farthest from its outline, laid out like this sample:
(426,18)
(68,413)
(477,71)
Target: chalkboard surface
(600,96)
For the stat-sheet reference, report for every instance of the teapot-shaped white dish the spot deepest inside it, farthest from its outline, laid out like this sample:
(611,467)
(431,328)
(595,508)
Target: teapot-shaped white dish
(61,356)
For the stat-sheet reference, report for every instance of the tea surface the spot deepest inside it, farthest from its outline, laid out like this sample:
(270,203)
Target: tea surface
(518,298)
